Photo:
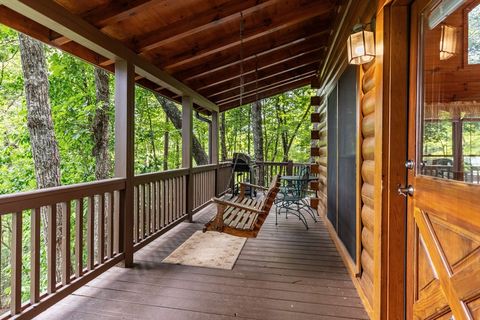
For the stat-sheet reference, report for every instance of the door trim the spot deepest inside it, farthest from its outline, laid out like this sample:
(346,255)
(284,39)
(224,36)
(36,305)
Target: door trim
(394,95)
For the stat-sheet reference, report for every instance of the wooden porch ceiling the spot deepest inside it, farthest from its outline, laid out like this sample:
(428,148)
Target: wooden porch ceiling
(198,42)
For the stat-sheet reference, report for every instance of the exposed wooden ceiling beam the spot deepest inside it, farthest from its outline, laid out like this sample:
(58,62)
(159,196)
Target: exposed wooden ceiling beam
(57,18)
(315,31)
(227,93)
(27,26)
(254,91)
(110,13)
(285,17)
(265,73)
(229,11)
(261,62)
(266,94)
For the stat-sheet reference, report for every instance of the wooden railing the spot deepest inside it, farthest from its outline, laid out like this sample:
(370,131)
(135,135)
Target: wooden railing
(159,202)
(223,177)
(163,199)
(203,179)
(471,175)
(271,169)
(86,215)
(78,230)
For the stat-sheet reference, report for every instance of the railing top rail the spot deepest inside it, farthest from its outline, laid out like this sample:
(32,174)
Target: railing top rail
(17,202)
(204,168)
(162,175)
(282,163)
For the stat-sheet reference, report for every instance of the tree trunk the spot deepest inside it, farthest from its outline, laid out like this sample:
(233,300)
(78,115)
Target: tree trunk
(175,116)
(44,145)
(100,125)
(166,139)
(257,130)
(223,139)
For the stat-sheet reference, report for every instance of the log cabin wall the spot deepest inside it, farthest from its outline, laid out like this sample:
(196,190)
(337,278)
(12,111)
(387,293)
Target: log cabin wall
(366,270)
(319,158)
(366,163)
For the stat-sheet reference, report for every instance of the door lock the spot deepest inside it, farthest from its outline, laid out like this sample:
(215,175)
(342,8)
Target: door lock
(404,191)
(410,164)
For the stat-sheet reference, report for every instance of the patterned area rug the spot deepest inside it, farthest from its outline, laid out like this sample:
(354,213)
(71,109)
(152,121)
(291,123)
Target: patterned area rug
(210,249)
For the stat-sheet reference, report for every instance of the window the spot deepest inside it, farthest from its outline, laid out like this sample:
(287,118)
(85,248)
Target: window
(473,56)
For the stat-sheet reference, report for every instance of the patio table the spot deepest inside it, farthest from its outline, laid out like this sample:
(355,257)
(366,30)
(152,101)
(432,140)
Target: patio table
(293,197)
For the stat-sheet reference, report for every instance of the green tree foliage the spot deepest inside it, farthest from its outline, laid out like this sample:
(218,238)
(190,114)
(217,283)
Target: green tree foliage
(474,36)
(281,113)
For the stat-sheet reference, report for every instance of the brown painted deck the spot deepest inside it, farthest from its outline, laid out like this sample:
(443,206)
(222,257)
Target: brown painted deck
(285,273)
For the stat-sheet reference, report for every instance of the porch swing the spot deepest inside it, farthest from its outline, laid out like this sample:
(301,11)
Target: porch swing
(244,216)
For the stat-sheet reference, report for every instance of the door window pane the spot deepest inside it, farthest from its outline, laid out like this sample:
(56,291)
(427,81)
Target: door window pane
(450,96)
(473,17)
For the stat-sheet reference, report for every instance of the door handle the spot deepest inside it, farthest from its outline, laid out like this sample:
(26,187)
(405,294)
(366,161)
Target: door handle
(404,191)
(410,164)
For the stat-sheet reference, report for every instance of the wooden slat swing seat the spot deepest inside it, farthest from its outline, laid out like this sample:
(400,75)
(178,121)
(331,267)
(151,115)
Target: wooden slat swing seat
(243,216)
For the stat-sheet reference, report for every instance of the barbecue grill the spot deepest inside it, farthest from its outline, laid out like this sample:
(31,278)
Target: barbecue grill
(243,170)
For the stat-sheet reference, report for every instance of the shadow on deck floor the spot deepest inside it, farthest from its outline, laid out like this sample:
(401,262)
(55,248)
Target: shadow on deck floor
(285,273)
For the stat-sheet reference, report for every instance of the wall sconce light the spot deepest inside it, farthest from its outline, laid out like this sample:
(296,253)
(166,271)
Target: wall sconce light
(448,42)
(361,45)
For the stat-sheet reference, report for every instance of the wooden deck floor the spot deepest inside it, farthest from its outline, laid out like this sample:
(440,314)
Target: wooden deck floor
(285,273)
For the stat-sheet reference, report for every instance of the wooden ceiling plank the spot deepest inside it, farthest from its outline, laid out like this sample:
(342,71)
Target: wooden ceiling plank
(57,18)
(116,11)
(312,31)
(310,62)
(267,94)
(201,22)
(280,21)
(110,13)
(254,91)
(309,69)
(262,62)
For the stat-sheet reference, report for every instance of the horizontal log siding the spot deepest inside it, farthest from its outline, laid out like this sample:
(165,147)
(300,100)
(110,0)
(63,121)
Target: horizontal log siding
(367,170)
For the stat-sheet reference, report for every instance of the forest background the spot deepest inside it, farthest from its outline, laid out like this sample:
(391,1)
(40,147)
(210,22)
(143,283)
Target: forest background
(74,103)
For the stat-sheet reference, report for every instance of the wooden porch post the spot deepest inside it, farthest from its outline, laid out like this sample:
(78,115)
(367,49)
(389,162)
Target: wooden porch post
(124,151)
(214,137)
(214,149)
(457,135)
(187,133)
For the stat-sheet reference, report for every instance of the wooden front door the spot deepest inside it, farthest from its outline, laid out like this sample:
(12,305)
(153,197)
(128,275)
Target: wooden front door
(443,236)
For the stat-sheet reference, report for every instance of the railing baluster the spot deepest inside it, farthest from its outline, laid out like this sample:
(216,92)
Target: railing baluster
(79,237)
(66,262)
(51,251)
(157,202)
(109,213)
(136,212)
(141,211)
(184,195)
(174,196)
(179,197)
(168,193)
(35,255)
(153,207)
(16,255)
(100,230)
(90,234)
(116,222)
(147,209)
(162,203)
